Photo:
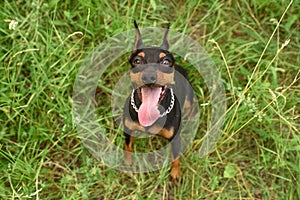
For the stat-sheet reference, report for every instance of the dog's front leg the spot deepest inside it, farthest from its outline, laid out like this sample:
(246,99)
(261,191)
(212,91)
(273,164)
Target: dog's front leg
(175,165)
(128,145)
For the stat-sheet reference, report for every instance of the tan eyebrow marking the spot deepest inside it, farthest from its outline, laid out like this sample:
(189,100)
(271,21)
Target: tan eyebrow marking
(161,55)
(142,54)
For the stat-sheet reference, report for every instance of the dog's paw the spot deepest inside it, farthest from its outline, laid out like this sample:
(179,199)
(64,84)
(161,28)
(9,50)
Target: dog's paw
(175,172)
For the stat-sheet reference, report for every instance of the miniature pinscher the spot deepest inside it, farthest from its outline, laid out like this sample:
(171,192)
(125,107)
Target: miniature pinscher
(159,98)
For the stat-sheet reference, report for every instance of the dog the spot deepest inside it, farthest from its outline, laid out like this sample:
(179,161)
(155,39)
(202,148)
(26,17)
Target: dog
(159,98)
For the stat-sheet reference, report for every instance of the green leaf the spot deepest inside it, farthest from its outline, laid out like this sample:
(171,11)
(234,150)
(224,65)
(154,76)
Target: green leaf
(215,182)
(229,171)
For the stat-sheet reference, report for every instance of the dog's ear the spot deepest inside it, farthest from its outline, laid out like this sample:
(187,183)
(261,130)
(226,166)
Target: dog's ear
(165,43)
(138,44)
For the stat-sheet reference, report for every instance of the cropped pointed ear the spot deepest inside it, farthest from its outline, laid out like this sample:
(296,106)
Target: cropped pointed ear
(165,43)
(138,44)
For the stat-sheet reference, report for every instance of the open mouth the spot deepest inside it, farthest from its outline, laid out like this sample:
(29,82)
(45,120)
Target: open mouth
(151,97)
(156,92)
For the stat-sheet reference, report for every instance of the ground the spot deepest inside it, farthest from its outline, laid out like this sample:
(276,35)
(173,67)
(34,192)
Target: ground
(255,46)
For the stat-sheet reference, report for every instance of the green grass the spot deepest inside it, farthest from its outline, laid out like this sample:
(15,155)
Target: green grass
(256,47)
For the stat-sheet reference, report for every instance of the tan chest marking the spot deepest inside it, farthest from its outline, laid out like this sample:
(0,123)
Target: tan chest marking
(155,129)
(134,126)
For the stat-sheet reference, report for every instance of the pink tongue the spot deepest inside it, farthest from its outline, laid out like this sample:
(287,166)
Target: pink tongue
(148,112)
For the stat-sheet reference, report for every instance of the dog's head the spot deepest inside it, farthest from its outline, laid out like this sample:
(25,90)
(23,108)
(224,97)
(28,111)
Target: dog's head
(152,72)
(151,66)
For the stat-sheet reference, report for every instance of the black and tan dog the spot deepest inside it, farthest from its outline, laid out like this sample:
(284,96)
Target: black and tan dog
(159,98)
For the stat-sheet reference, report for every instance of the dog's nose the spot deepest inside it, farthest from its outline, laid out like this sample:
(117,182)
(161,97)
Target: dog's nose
(149,78)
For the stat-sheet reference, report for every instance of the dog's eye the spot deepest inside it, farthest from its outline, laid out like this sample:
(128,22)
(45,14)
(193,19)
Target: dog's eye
(137,61)
(165,62)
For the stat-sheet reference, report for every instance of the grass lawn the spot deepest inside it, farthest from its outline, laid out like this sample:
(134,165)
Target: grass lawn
(255,46)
